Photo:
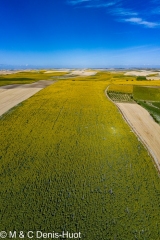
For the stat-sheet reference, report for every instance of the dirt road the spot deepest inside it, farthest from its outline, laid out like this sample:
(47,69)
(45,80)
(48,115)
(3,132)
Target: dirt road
(11,95)
(144,126)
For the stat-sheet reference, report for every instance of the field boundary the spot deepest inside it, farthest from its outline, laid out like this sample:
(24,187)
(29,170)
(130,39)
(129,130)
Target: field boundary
(149,150)
(12,95)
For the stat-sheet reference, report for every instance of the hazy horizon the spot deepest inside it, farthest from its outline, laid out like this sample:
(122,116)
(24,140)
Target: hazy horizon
(124,67)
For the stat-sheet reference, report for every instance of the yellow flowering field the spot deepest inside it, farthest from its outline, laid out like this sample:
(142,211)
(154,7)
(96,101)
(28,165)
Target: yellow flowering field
(120,88)
(69,162)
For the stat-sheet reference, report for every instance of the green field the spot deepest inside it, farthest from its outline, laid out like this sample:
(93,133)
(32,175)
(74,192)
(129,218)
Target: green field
(146,93)
(70,162)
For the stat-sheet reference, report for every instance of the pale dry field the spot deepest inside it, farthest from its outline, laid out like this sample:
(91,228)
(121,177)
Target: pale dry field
(144,126)
(82,73)
(11,95)
(153,78)
(141,73)
(5,72)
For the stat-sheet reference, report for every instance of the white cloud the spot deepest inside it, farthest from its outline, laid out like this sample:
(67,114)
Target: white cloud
(93,3)
(101,5)
(74,2)
(119,9)
(122,11)
(142,22)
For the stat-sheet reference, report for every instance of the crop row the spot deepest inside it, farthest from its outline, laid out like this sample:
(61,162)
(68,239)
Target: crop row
(120,97)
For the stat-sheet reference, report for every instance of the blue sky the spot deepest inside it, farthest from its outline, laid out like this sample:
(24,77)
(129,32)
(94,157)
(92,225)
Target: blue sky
(80,33)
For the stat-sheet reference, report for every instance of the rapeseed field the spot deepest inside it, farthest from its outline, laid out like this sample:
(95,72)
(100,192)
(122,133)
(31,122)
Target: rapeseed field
(120,88)
(69,162)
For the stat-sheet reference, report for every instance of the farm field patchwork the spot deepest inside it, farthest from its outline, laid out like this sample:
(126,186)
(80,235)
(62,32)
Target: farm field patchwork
(120,97)
(27,77)
(153,108)
(149,98)
(144,126)
(138,118)
(11,95)
(148,93)
(146,96)
(70,162)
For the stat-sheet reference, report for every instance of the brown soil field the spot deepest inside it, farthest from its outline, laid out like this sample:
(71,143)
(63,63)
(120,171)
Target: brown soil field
(144,126)
(11,95)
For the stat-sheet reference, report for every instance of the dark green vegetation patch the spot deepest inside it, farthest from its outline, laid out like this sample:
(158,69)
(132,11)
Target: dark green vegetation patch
(141,78)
